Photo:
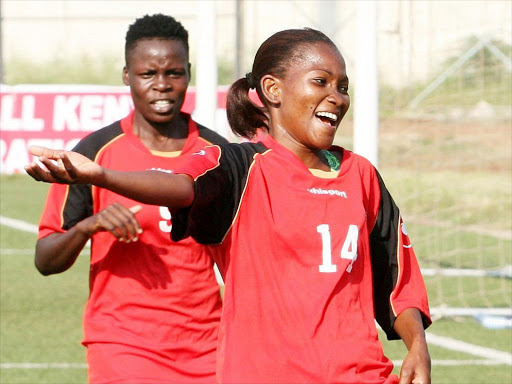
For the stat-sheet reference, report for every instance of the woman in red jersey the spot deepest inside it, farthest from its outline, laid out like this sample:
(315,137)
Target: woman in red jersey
(309,241)
(154,306)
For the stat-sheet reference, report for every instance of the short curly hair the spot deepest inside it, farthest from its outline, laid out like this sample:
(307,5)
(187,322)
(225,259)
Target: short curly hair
(157,26)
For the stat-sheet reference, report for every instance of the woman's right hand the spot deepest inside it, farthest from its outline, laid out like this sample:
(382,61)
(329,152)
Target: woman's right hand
(63,167)
(58,251)
(116,219)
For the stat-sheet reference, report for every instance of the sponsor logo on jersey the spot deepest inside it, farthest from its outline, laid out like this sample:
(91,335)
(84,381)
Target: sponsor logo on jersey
(331,192)
(160,170)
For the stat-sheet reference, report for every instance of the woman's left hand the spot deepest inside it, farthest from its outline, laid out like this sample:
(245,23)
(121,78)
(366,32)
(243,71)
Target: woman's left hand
(416,366)
(63,167)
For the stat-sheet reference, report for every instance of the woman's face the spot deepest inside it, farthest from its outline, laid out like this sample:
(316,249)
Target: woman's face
(158,74)
(312,98)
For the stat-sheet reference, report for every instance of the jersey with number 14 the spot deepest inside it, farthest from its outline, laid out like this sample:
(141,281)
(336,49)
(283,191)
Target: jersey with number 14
(309,263)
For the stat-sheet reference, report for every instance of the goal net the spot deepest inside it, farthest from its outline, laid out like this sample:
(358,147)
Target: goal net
(445,152)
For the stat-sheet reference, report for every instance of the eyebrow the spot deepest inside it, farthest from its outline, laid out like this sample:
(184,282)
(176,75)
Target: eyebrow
(330,73)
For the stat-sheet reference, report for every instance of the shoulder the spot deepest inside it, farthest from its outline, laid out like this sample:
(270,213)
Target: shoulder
(242,151)
(354,160)
(210,135)
(95,141)
(230,158)
(349,155)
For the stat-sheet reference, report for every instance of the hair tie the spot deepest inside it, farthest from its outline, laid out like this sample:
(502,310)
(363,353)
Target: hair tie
(250,80)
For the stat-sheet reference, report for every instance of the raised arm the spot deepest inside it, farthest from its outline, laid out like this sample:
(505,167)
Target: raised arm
(149,187)
(416,366)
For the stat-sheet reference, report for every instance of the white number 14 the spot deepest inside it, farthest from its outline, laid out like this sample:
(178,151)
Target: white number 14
(348,251)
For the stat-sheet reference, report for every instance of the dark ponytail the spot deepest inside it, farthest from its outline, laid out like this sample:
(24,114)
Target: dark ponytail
(244,116)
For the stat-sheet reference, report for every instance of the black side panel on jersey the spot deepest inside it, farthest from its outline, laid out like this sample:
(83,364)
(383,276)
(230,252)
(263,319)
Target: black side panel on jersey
(78,205)
(383,243)
(217,196)
(211,136)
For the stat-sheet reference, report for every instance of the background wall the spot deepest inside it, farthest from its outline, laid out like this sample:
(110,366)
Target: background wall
(414,37)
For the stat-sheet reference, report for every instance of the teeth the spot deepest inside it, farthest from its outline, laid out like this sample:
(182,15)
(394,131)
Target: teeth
(162,103)
(329,115)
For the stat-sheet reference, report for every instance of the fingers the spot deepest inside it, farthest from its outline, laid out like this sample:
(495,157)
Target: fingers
(404,379)
(120,222)
(413,380)
(37,150)
(68,166)
(33,171)
(65,167)
(415,370)
(407,370)
(52,173)
(48,156)
(59,168)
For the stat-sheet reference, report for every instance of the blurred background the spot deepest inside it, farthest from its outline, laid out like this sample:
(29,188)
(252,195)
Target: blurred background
(431,89)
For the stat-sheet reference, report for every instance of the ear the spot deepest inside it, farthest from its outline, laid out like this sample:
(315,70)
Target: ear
(189,66)
(270,86)
(126,79)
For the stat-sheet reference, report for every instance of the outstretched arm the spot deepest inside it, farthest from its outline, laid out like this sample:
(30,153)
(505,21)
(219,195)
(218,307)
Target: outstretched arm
(57,252)
(416,365)
(149,187)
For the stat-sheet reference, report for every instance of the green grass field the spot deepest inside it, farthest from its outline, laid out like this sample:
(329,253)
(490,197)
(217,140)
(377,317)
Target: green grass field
(41,317)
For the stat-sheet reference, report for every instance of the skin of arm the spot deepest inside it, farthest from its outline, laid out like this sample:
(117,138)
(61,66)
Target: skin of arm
(57,252)
(416,366)
(149,187)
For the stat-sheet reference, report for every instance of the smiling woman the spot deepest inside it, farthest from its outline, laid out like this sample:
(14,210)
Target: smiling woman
(310,243)
(316,100)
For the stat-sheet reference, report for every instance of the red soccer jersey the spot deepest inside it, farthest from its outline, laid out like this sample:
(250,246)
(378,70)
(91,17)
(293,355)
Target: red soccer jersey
(153,302)
(308,264)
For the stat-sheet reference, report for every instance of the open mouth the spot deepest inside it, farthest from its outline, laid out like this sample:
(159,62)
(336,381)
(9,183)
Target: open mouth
(162,105)
(328,117)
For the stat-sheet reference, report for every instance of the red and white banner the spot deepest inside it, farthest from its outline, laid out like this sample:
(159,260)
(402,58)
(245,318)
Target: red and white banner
(59,116)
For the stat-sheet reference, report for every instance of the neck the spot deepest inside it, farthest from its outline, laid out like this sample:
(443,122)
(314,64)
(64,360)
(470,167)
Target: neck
(168,136)
(312,158)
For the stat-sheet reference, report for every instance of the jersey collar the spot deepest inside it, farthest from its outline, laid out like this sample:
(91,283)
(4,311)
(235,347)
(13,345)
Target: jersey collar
(291,158)
(193,133)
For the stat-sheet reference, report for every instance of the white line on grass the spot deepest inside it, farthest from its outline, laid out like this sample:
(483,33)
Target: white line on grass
(24,226)
(18,224)
(42,365)
(14,251)
(397,363)
(455,363)
(472,349)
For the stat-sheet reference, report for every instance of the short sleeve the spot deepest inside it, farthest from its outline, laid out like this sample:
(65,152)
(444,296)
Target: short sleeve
(397,280)
(220,174)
